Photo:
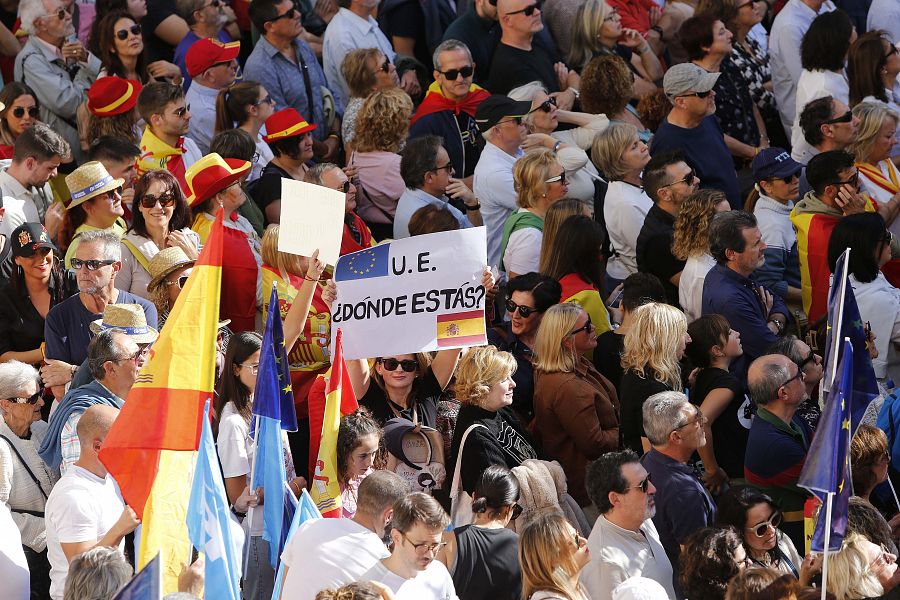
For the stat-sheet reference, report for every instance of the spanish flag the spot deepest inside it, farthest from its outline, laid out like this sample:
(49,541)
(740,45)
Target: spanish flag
(151,448)
(461,329)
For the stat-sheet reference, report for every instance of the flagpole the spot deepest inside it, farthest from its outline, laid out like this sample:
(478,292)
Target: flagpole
(827,544)
(252,490)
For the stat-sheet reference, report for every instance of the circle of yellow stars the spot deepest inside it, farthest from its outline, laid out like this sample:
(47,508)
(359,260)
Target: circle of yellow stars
(364,270)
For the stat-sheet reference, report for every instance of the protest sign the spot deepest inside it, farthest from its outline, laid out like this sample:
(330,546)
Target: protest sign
(412,295)
(312,217)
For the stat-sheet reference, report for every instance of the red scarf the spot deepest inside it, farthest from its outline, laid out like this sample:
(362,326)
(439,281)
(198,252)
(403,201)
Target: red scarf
(435,101)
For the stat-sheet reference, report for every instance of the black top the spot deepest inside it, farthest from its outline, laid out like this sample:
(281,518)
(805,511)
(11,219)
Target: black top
(608,356)
(426,392)
(731,429)
(633,391)
(157,12)
(487,564)
(407,20)
(21,325)
(654,251)
(267,188)
(734,105)
(504,339)
(512,67)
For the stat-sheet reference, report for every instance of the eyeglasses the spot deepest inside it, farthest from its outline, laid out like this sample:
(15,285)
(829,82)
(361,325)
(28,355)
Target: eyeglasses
(516,511)
(807,360)
(453,74)
(32,399)
(183,111)
(687,179)
(215,3)
(613,14)
(547,105)
(166,199)
(644,485)
(762,529)
(844,118)
(424,547)
(180,282)
(390,364)
(587,328)
(886,557)
(292,13)
(344,187)
(516,120)
(267,100)
(750,3)
(59,14)
(19,112)
(799,375)
(699,419)
(111,194)
(580,542)
(524,311)
(92,265)
(700,95)
(252,367)
(527,11)
(885,457)
(891,52)
(384,67)
(854,181)
(787,179)
(448,167)
(140,352)
(561,178)
(231,64)
(122,34)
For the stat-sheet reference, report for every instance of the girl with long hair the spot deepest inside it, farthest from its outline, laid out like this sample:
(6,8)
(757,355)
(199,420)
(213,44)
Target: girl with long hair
(357,444)
(20,111)
(246,105)
(551,555)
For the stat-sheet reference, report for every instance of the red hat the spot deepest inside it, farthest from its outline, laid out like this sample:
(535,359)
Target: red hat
(212,174)
(111,96)
(207,52)
(285,123)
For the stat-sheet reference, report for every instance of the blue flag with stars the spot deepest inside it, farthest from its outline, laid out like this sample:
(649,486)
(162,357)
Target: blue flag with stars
(273,396)
(364,264)
(827,467)
(863,387)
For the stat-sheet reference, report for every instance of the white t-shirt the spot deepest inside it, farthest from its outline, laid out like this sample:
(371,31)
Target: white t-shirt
(434,583)
(13,566)
(523,250)
(690,286)
(81,508)
(624,210)
(328,553)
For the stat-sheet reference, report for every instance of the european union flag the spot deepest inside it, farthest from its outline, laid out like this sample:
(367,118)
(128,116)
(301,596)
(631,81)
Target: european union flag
(827,468)
(209,522)
(364,264)
(273,397)
(305,510)
(146,585)
(863,387)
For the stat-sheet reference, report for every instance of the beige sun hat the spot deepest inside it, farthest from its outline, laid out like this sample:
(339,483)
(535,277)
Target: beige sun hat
(127,318)
(165,262)
(89,180)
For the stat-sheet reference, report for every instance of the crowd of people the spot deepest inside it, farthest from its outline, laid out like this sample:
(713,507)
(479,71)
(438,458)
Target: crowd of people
(666,187)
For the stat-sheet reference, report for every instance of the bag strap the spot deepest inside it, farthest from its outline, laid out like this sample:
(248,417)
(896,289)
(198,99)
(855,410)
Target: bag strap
(457,483)
(25,464)
(138,255)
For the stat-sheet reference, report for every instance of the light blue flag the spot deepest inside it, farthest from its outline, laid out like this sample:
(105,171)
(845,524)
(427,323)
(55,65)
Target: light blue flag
(210,527)
(146,585)
(305,510)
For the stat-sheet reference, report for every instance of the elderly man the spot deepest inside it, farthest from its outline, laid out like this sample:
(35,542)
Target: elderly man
(115,360)
(624,542)
(500,120)
(691,127)
(214,66)
(328,553)
(448,109)
(85,510)
(206,19)
(60,72)
(676,428)
(427,171)
(778,440)
(24,190)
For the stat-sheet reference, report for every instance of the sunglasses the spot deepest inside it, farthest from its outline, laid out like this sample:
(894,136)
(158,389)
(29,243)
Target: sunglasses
(891,52)
(267,100)
(214,3)
(19,112)
(295,11)
(763,528)
(183,111)
(546,106)
(613,14)
(453,74)
(700,95)
(180,282)
(527,11)
(122,34)
(807,360)
(787,179)
(844,118)
(391,364)
(344,187)
(91,265)
(59,14)
(699,418)
(587,328)
(687,179)
(32,399)
(448,167)
(644,485)
(853,181)
(561,178)
(799,375)
(524,311)
(165,200)
(385,67)
(111,194)
(516,511)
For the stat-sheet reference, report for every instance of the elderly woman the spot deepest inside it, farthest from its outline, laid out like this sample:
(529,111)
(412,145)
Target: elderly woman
(606,88)
(540,181)
(570,144)
(246,105)
(357,235)
(169,271)
(121,44)
(161,219)
(381,129)
(875,139)
(20,111)
(365,71)
(25,480)
(96,204)
(862,570)
(869,458)
(484,434)
(710,559)
(575,407)
(621,156)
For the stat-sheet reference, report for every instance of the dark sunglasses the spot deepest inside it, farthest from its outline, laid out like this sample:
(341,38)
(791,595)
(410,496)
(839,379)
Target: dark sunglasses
(854,181)
(92,265)
(524,311)
(561,178)
(111,194)
(32,399)
(183,111)
(180,282)
(644,485)
(787,179)
(891,52)
(295,10)
(547,105)
(122,34)
(453,74)
(763,528)
(344,187)
(385,66)
(165,200)
(688,179)
(391,364)
(59,14)
(267,100)
(700,95)
(516,511)
(448,167)
(587,328)
(807,360)
(19,112)
(844,118)
(528,10)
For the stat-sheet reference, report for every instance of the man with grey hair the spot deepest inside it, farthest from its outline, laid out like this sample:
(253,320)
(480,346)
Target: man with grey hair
(448,109)
(115,360)
(60,72)
(778,440)
(328,553)
(98,573)
(206,20)
(676,428)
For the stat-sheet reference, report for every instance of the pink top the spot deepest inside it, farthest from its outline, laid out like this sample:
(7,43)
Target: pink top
(380,185)
(349,494)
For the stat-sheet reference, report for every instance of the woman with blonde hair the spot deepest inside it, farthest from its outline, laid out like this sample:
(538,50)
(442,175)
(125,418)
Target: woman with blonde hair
(621,156)
(539,181)
(575,407)
(484,385)
(381,128)
(869,459)
(690,243)
(654,345)
(365,71)
(861,570)
(875,138)
(556,215)
(552,555)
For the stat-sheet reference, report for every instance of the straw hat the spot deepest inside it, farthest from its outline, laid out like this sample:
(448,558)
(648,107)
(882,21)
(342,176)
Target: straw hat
(88,181)
(285,123)
(166,261)
(127,318)
(212,174)
(111,96)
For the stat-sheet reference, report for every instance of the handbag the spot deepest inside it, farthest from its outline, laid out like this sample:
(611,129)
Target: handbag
(415,453)
(460,501)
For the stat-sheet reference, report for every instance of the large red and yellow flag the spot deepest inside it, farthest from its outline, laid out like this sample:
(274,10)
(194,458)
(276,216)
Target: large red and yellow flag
(151,448)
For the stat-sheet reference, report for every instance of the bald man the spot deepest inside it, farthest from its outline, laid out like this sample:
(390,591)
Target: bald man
(84,509)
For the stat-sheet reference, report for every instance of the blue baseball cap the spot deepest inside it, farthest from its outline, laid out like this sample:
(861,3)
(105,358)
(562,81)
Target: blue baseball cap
(774,162)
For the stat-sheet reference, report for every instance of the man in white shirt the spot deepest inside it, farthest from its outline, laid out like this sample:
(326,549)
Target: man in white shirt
(213,67)
(885,14)
(411,571)
(624,542)
(500,120)
(784,52)
(329,553)
(84,509)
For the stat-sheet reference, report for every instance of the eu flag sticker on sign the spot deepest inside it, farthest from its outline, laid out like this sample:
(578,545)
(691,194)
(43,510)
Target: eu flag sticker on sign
(365,264)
